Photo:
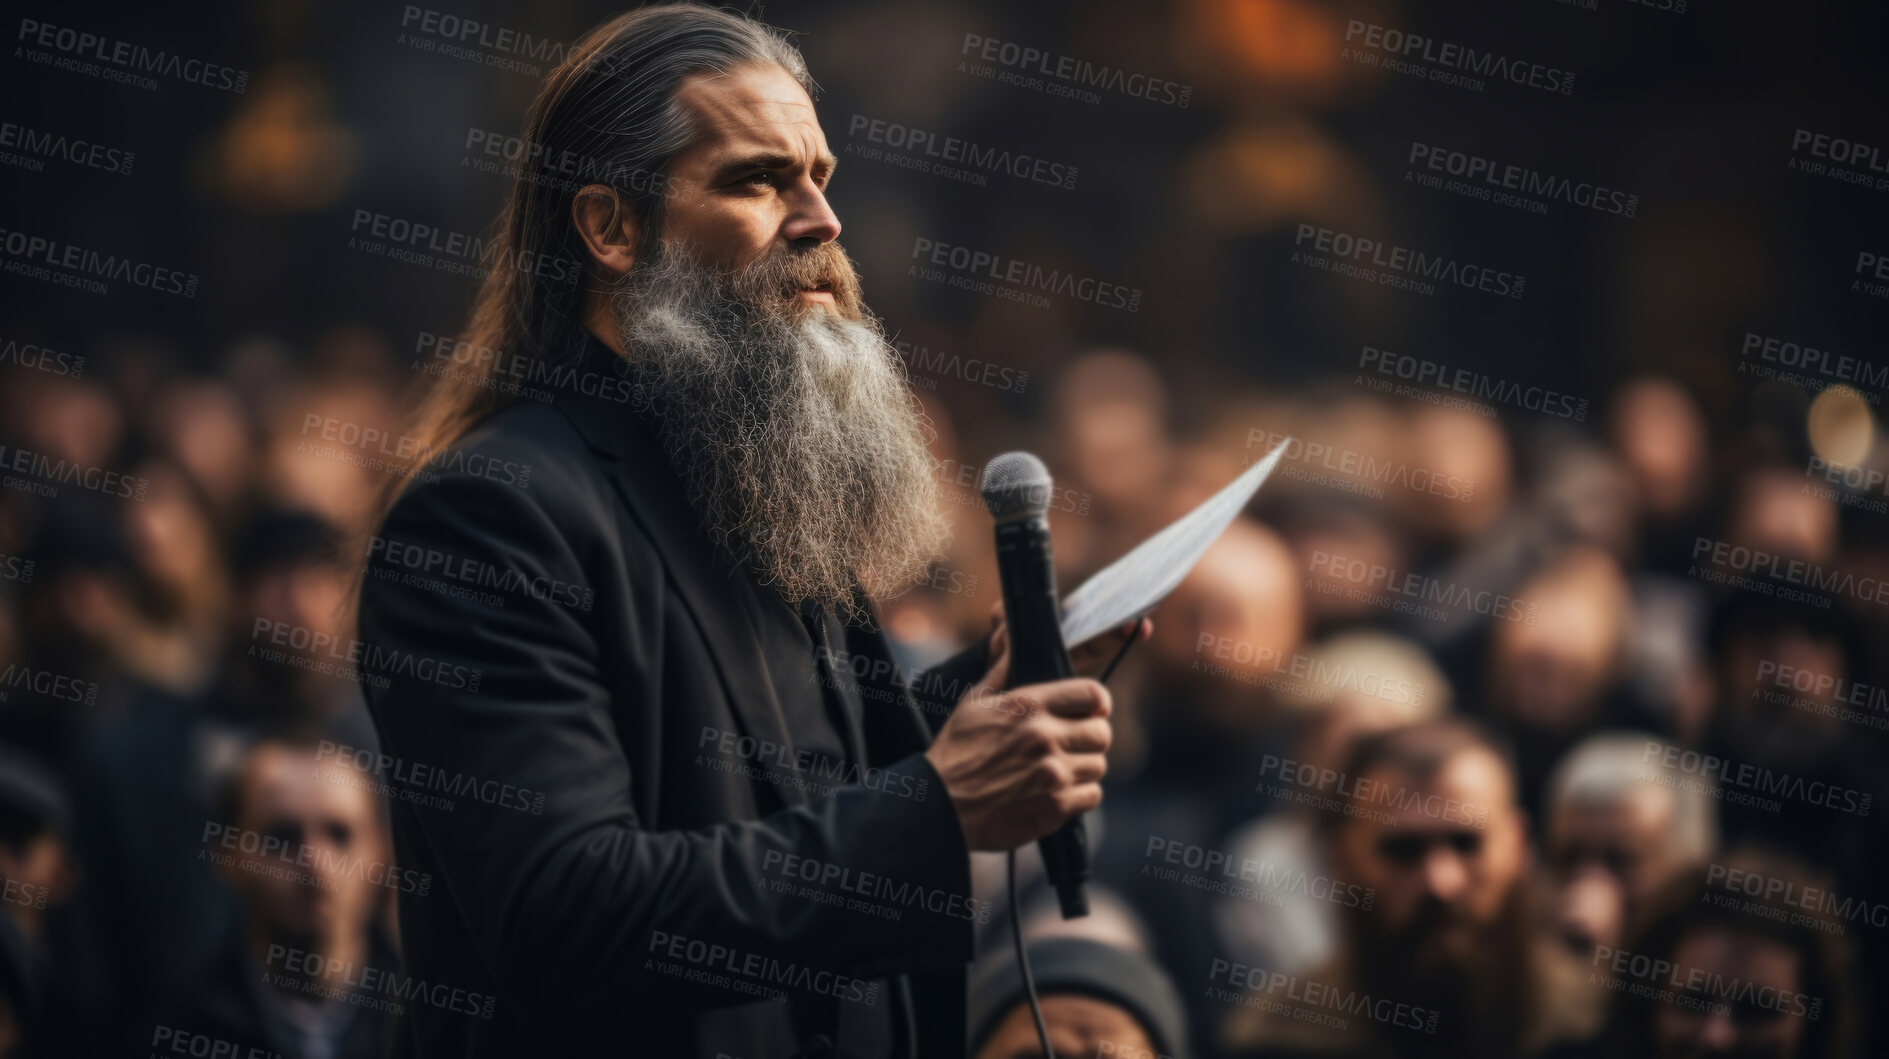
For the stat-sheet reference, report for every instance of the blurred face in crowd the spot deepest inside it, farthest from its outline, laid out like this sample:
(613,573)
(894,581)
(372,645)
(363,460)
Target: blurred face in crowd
(297,608)
(331,825)
(1607,859)
(74,420)
(1111,409)
(300,595)
(781,402)
(1550,673)
(1470,453)
(40,874)
(171,537)
(1442,881)
(1728,1027)
(1078,1025)
(1588,497)
(1767,676)
(1240,608)
(1350,535)
(207,431)
(1775,514)
(1396,684)
(1661,437)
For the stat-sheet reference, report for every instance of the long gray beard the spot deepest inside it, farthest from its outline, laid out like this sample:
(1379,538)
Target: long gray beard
(793,429)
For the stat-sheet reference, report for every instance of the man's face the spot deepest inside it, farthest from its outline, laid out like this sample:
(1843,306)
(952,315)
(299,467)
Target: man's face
(1607,858)
(1078,1025)
(1718,1026)
(783,406)
(1442,881)
(288,794)
(755,179)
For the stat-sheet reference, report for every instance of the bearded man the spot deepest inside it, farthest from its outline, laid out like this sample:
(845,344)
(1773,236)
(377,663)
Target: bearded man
(638,723)
(1436,962)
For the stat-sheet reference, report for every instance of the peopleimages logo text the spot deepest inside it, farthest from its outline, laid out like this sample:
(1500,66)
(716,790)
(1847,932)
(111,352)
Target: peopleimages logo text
(1807,365)
(988,273)
(1073,71)
(136,58)
(1318,677)
(1476,384)
(35,255)
(1535,187)
(1403,262)
(1289,879)
(1311,1000)
(1363,466)
(873,886)
(419,775)
(1447,62)
(1676,759)
(449,251)
(758,967)
(38,144)
(1785,578)
(930,145)
(1841,151)
(1815,901)
(470,32)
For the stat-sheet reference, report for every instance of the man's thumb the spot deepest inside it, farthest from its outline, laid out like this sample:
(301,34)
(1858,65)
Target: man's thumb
(998,675)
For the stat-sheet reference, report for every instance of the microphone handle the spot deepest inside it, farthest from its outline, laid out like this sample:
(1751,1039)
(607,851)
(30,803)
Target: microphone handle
(1037,655)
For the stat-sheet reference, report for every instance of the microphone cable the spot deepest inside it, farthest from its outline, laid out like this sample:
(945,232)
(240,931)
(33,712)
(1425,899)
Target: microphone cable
(1016,909)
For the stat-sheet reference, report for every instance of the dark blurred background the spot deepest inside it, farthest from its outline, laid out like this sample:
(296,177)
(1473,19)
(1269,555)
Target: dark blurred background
(143,710)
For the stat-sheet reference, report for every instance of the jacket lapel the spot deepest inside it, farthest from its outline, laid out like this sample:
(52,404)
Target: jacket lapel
(835,666)
(891,722)
(704,576)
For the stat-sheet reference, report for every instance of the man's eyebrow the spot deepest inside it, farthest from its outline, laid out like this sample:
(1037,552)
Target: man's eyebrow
(825,163)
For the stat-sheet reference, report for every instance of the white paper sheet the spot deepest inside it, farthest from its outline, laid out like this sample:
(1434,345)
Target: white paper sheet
(1131,586)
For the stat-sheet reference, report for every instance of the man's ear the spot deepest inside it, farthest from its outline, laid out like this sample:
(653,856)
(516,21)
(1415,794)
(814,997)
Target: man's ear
(607,227)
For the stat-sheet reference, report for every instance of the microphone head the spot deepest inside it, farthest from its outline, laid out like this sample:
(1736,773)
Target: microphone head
(1016,485)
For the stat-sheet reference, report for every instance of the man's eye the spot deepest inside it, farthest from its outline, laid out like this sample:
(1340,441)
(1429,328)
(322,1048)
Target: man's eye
(759,180)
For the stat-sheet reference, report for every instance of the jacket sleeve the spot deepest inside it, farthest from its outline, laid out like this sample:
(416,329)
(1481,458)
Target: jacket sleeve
(568,898)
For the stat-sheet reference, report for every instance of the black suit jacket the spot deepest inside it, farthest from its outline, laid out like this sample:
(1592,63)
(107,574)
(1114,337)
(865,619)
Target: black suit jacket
(226,1008)
(590,767)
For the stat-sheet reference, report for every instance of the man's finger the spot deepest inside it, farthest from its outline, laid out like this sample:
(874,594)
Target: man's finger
(1076,697)
(1088,768)
(1079,799)
(1091,735)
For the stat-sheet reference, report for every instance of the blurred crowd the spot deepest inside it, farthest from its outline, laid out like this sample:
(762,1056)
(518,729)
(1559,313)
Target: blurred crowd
(1482,733)
(1460,741)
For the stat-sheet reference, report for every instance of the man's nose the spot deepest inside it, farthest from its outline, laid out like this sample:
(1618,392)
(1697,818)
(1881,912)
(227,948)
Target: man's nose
(1591,909)
(809,217)
(1444,874)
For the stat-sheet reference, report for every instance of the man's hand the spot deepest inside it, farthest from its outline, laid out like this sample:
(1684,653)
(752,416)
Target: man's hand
(1018,763)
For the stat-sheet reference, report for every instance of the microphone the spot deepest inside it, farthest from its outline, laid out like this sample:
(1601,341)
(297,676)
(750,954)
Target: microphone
(1016,489)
